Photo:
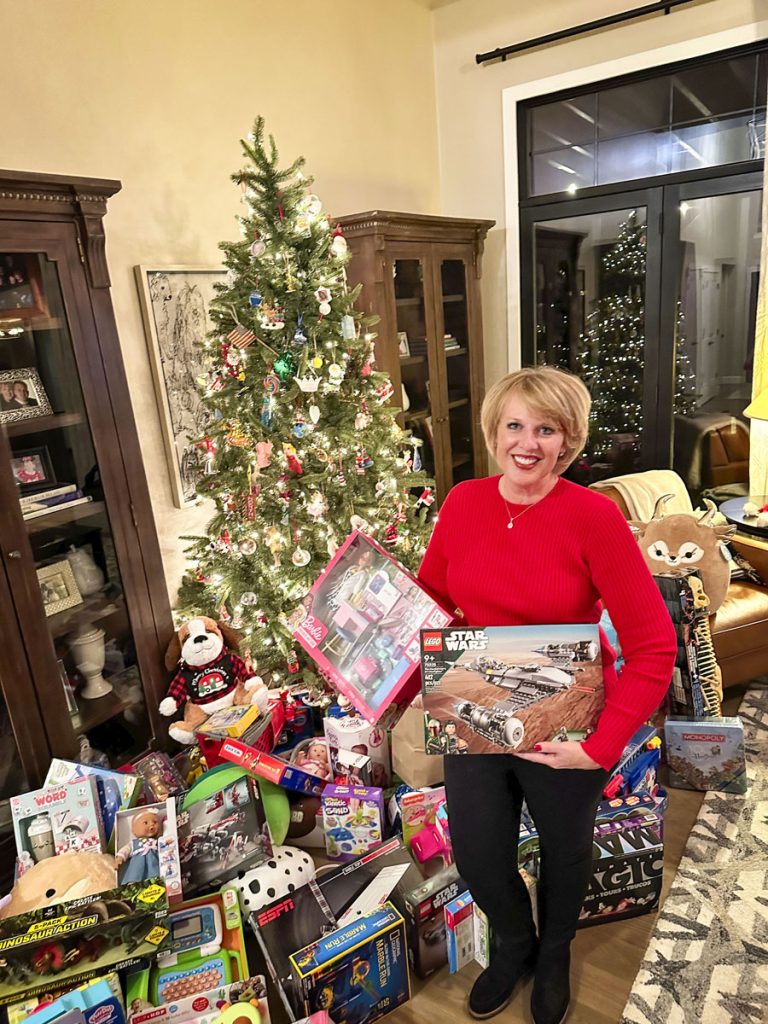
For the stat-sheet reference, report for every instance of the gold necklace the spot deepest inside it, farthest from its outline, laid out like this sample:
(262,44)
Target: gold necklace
(512,517)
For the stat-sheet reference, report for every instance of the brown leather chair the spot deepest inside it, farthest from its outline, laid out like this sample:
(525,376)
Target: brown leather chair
(740,625)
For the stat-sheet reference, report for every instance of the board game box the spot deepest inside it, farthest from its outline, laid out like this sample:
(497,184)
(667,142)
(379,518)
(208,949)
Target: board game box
(627,868)
(360,623)
(706,754)
(504,688)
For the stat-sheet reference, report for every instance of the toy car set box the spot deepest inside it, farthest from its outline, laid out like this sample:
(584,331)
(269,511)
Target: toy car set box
(360,623)
(706,754)
(359,972)
(504,688)
(271,767)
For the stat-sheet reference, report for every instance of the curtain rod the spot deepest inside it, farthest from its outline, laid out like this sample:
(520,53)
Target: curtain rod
(502,52)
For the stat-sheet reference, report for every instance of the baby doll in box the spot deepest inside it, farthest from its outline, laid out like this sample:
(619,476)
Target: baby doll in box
(210,675)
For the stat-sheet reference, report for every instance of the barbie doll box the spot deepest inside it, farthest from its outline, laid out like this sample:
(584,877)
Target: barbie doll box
(360,623)
(505,688)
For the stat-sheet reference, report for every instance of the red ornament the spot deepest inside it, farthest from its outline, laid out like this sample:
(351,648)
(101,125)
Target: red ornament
(292,662)
(391,535)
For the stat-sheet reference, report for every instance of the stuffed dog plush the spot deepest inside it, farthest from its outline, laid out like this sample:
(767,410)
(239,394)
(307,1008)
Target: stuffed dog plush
(209,676)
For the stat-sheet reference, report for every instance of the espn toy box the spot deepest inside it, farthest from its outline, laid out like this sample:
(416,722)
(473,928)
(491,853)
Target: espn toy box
(626,870)
(503,688)
(360,623)
(706,754)
(358,973)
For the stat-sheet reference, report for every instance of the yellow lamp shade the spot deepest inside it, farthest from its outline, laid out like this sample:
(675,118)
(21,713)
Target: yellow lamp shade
(758,408)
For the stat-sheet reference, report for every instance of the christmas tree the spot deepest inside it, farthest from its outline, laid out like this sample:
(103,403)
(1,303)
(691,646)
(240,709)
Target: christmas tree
(303,444)
(612,351)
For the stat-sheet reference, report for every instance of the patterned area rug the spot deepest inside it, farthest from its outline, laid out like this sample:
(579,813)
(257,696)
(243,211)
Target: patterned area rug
(707,961)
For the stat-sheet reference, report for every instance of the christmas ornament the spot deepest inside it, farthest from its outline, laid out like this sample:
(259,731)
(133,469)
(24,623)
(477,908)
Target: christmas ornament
(241,337)
(323,294)
(302,224)
(247,547)
(317,506)
(214,383)
(338,244)
(363,461)
(271,384)
(275,542)
(310,205)
(223,614)
(391,535)
(299,337)
(299,426)
(255,299)
(358,523)
(292,459)
(267,411)
(283,490)
(332,546)
(335,372)
(362,420)
(301,557)
(210,454)
(237,438)
(292,662)
(248,598)
(314,413)
(384,391)
(341,476)
(426,498)
(237,619)
(317,362)
(284,366)
(271,319)
(308,383)
(324,308)
(258,248)
(348,331)
(263,453)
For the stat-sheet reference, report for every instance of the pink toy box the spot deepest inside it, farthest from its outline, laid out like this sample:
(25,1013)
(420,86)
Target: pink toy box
(425,829)
(360,623)
(353,733)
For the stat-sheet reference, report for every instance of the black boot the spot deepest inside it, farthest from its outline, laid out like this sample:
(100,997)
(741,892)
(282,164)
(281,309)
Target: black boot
(551,986)
(493,988)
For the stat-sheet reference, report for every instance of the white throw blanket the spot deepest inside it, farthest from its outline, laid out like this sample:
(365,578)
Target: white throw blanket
(641,491)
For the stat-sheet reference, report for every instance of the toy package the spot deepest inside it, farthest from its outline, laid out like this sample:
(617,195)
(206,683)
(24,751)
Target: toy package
(147,846)
(260,735)
(358,973)
(60,819)
(460,931)
(116,790)
(481,937)
(353,820)
(353,769)
(637,769)
(360,622)
(271,767)
(234,721)
(489,691)
(159,775)
(313,757)
(626,871)
(706,754)
(424,819)
(425,920)
(355,734)
(99,1001)
(222,834)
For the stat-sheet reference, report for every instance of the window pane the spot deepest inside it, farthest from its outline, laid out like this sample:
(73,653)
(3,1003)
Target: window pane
(568,123)
(712,90)
(712,144)
(564,171)
(639,107)
(635,156)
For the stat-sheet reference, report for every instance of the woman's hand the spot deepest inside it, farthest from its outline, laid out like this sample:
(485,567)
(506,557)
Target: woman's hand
(565,754)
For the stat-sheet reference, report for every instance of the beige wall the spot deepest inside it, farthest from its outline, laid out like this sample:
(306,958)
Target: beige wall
(469,99)
(158,94)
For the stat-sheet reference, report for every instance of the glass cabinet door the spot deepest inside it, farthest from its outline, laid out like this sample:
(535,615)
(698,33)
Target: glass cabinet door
(455,343)
(72,607)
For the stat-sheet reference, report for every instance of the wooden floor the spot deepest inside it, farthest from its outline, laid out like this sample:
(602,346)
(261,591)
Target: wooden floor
(606,957)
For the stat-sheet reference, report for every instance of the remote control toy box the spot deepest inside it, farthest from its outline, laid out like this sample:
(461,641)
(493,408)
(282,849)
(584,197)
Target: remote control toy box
(503,688)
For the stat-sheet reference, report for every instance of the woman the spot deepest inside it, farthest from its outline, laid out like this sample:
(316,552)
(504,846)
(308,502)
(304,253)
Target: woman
(529,548)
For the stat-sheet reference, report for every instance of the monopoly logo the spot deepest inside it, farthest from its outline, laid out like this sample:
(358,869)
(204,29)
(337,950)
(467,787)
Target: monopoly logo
(466,640)
(432,641)
(704,737)
(272,913)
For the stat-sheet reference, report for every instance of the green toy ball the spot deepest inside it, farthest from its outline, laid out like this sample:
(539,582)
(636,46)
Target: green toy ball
(275,799)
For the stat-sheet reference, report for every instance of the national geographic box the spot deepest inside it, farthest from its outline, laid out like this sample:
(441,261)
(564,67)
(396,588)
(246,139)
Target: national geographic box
(505,688)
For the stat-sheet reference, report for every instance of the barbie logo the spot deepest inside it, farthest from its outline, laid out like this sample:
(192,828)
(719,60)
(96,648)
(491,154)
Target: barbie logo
(313,629)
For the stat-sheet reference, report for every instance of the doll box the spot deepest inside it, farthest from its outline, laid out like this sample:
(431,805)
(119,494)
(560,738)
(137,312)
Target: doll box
(358,973)
(270,767)
(116,790)
(146,853)
(353,733)
(504,688)
(706,754)
(353,818)
(59,819)
(360,623)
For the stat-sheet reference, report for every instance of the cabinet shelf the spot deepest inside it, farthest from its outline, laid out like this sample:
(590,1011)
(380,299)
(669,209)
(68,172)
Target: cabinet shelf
(454,298)
(102,709)
(455,352)
(417,414)
(411,360)
(458,402)
(65,515)
(461,460)
(55,421)
(410,300)
(98,606)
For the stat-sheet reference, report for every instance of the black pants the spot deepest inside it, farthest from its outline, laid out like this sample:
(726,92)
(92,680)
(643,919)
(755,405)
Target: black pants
(485,794)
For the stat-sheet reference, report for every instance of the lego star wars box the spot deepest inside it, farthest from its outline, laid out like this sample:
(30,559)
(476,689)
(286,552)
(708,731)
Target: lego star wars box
(706,754)
(626,871)
(360,623)
(425,920)
(503,688)
(358,973)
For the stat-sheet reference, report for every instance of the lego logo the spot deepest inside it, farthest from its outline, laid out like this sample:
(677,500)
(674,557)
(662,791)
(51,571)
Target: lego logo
(433,641)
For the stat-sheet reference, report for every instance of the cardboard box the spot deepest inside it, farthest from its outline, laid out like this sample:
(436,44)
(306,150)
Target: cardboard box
(147,853)
(160,776)
(353,733)
(626,872)
(234,721)
(409,759)
(459,932)
(260,735)
(358,973)
(706,754)
(353,820)
(60,819)
(360,623)
(116,790)
(425,920)
(481,935)
(352,769)
(504,688)
(99,1001)
(271,767)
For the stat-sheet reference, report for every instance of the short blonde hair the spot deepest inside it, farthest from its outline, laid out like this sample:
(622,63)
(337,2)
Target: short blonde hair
(549,392)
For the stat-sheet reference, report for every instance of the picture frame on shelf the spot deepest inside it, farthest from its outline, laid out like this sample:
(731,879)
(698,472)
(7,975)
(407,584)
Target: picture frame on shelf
(22,395)
(58,587)
(403,346)
(21,288)
(32,469)
(175,303)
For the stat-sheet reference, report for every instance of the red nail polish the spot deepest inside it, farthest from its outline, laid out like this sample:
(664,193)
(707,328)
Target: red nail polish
(537,747)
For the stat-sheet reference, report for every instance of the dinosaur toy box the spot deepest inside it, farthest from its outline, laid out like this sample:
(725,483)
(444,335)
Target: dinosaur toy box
(504,688)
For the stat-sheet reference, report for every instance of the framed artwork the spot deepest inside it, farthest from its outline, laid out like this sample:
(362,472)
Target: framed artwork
(32,469)
(174,304)
(21,289)
(22,395)
(58,587)
(402,343)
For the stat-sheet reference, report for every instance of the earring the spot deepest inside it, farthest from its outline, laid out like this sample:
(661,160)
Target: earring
(562,453)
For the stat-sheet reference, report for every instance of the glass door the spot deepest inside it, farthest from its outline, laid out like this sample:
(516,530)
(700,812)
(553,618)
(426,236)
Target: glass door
(455,349)
(62,563)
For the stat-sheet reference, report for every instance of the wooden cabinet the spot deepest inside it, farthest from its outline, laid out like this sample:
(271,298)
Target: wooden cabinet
(421,276)
(84,612)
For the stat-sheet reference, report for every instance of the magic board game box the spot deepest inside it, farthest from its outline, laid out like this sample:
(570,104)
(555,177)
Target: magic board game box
(706,754)
(360,623)
(359,972)
(627,868)
(503,688)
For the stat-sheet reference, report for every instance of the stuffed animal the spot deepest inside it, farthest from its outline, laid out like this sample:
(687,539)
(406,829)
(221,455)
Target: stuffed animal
(57,879)
(209,676)
(673,544)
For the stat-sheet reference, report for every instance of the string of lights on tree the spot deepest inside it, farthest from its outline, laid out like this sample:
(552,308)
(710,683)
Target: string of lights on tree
(303,444)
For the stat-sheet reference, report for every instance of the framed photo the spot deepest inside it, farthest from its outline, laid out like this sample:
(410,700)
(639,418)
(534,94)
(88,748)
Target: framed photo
(21,290)
(32,469)
(174,304)
(402,343)
(58,587)
(22,396)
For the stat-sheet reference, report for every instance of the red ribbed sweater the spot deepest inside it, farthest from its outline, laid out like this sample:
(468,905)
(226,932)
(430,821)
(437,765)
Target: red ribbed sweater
(566,554)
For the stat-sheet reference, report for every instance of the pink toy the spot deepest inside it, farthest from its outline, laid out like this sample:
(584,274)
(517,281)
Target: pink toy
(314,759)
